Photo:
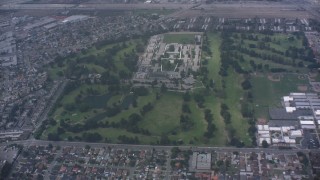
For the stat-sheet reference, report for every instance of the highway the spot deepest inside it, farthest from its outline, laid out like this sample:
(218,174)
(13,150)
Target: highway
(234,9)
(92,6)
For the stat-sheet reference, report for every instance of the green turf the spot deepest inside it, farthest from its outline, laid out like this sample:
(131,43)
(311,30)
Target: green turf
(214,62)
(234,93)
(268,93)
(213,102)
(279,42)
(165,116)
(179,38)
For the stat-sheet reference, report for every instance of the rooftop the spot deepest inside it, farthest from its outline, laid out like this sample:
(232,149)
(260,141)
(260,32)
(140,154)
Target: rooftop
(281,114)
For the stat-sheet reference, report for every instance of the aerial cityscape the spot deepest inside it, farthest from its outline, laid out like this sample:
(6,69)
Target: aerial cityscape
(159,89)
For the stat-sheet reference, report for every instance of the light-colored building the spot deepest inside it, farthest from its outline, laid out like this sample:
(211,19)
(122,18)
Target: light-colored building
(201,161)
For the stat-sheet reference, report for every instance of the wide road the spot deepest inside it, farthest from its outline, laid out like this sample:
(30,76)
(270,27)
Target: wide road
(234,9)
(141,147)
(93,6)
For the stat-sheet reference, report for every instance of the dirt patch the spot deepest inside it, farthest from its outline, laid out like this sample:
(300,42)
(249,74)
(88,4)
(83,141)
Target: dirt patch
(313,74)
(302,77)
(302,88)
(262,121)
(274,77)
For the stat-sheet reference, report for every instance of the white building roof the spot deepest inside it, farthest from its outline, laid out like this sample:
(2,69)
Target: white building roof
(307,122)
(265,135)
(263,132)
(317,112)
(263,127)
(275,141)
(290,109)
(319,122)
(74,18)
(287,98)
(288,140)
(275,128)
(297,94)
(308,126)
(296,133)
(285,128)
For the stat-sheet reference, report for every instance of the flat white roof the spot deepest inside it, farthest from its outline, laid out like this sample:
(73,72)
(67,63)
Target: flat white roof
(285,128)
(75,18)
(275,128)
(296,133)
(265,135)
(263,132)
(287,98)
(275,140)
(297,94)
(308,126)
(263,127)
(307,122)
(290,109)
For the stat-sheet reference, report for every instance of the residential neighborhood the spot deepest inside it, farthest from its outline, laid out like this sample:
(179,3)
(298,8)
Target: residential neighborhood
(159,89)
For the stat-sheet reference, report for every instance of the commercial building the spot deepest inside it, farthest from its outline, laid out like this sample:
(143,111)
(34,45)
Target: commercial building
(201,161)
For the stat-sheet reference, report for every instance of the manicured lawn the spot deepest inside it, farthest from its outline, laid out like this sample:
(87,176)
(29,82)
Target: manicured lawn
(213,102)
(70,98)
(215,62)
(165,116)
(220,136)
(268,93)
(179,38)
(114,133)
(279,42)
(234,93)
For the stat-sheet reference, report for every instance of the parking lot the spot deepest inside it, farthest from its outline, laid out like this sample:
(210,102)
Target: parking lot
(310,140)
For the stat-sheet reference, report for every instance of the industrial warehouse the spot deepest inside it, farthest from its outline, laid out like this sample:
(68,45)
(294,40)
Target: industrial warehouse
(288,126)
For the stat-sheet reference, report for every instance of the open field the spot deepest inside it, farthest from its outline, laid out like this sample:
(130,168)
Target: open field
(233,10)
(214,102)
(249,10)
(259,52)
(96,108)
(164,118)
(234,93)
(119,113)
(268,92)
(179,38)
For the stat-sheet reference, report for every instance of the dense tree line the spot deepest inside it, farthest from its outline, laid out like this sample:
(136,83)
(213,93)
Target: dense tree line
(224,112)
(211,128)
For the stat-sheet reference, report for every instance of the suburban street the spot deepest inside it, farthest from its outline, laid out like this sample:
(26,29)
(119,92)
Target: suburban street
(142,147)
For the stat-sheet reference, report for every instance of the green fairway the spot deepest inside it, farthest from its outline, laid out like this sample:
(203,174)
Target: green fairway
(179,38)
(234,94)
(214,62)
(164,118)
(259,52)
(101,99)
(213,102)
(268,93)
